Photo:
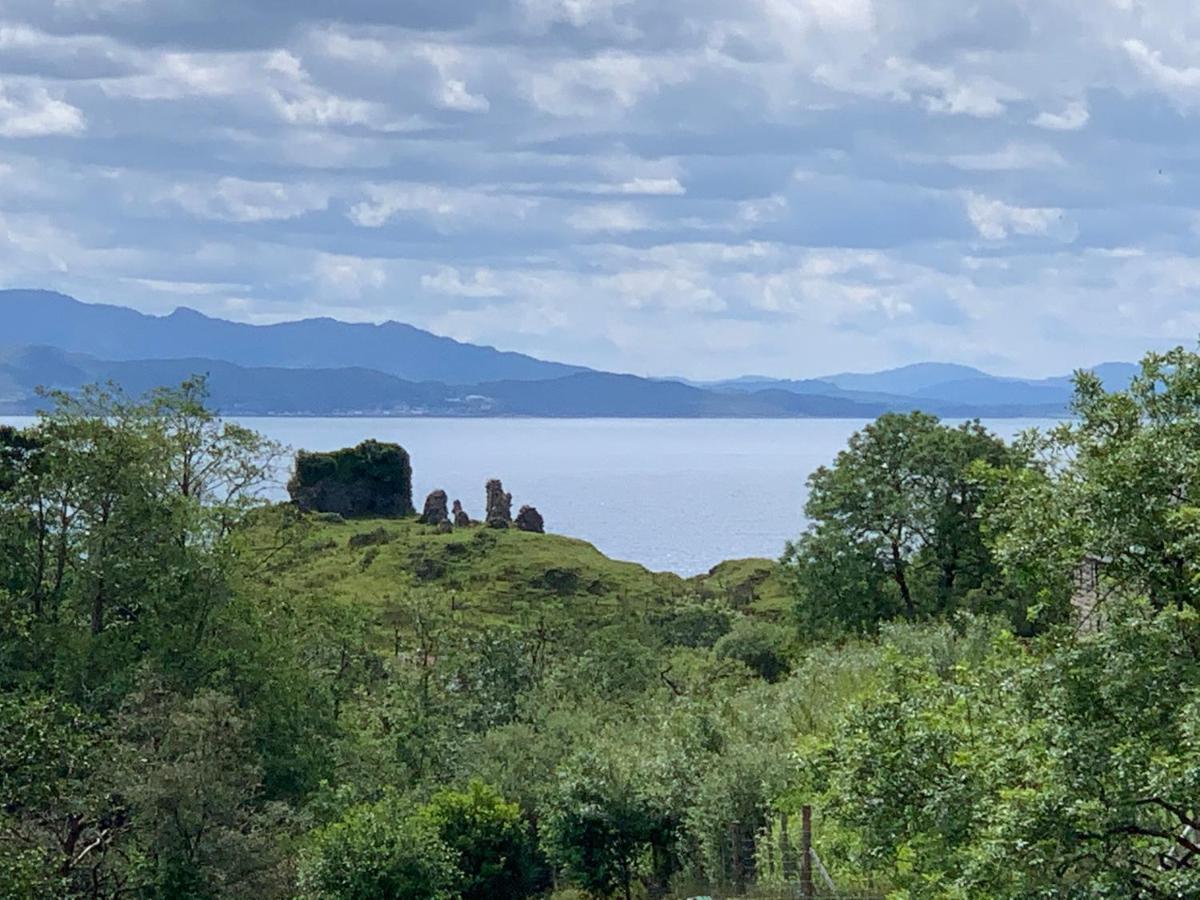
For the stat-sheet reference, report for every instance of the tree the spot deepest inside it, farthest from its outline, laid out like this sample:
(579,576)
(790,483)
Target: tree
(378,850)
(760,646)
(614,815)
(61,832)
(220,466)
(896,524)
(1118,484)
(193,785)
(1068,771)
(115,521)
(495,853)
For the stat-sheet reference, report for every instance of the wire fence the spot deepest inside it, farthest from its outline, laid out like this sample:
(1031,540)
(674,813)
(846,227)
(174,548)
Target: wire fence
(776,859)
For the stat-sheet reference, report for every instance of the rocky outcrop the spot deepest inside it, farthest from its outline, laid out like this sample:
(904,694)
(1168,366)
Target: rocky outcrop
(461,519)
(435,509)
(499,505)
(372,479)
(529,519)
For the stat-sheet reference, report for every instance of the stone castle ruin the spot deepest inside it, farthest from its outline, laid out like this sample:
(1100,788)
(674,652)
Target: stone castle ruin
(499,505)
(435,512)
(529,519)
(371,480)
(374,480)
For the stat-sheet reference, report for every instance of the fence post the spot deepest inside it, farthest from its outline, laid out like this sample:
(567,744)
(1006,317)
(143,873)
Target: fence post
(807,890)
(786,863)
(736,852)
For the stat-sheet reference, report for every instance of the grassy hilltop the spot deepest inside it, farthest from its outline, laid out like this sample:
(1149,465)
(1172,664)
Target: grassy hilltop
(501,575)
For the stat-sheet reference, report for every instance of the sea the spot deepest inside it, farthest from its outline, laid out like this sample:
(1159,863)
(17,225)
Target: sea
(677,495)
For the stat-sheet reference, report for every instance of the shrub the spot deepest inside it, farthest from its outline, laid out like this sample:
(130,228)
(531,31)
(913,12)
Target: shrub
(761,646)
(495,853)
(696,625)
(378,850)
(369,539)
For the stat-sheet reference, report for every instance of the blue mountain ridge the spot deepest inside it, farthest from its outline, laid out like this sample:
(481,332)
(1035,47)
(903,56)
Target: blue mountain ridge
(327,367)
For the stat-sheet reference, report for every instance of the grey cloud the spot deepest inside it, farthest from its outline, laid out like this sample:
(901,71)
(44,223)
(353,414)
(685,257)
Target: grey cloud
(618,181)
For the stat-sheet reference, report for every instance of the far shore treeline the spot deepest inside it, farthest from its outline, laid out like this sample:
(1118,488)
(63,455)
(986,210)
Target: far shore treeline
(977,668)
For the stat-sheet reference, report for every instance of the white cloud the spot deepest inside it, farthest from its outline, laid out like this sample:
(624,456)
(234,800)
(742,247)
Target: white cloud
(348,276)
(449,280)
(612,218)
(1010,157)
(1074,117)
(454,95)
(28,111)
(797,17)
(446,208)
(451,92)
(681,291)
(275,82)
(660,187)
(761,210)
(542,14)
(995,220)
(606,83)
(965,100)
(1181,82)
(238,200)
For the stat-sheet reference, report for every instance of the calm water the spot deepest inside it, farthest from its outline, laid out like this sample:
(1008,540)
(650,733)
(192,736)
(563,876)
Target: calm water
(677,495)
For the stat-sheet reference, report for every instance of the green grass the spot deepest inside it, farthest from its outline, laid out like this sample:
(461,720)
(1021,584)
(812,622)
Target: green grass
(754,585)
(493,575)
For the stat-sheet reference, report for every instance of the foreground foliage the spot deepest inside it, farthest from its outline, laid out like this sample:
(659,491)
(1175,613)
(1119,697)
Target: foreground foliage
(203,695)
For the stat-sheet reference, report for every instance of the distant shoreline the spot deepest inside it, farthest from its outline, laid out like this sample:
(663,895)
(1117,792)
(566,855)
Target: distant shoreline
(585,418)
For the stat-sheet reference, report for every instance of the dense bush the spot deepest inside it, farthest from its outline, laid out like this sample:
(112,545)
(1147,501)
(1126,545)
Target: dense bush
(379,850)
(495,854)
(760,646)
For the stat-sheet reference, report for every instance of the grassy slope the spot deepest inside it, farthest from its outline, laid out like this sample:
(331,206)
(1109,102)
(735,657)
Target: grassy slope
(505,575)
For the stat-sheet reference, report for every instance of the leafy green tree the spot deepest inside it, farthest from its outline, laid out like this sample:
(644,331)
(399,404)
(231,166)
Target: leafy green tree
(760,646)
(379,850)
(495,853)
(614,817)
(61,832)
(115,520)
(896,524)
(695,624)
(193,785)
(1118,484)
(1069,771)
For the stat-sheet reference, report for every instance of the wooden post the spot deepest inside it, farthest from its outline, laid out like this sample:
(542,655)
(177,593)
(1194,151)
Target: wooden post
(736,851)
(807,890)
(786,868)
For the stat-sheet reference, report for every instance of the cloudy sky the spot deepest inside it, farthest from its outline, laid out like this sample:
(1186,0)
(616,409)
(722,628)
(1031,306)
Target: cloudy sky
(696,187)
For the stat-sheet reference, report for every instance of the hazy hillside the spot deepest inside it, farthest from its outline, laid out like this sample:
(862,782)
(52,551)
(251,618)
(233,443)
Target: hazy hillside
(273,390)
(325,367)
(114,332)
(906,379)
(356,391)
(940,387)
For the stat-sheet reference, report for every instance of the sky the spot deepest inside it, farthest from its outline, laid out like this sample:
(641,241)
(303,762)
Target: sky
(704,188)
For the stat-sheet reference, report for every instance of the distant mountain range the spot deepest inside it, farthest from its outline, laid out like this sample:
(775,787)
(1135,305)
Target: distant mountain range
(326,367)
(44,318)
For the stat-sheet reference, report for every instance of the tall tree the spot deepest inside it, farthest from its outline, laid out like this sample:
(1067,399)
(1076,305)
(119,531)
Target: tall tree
(1119,484)
(895,523)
